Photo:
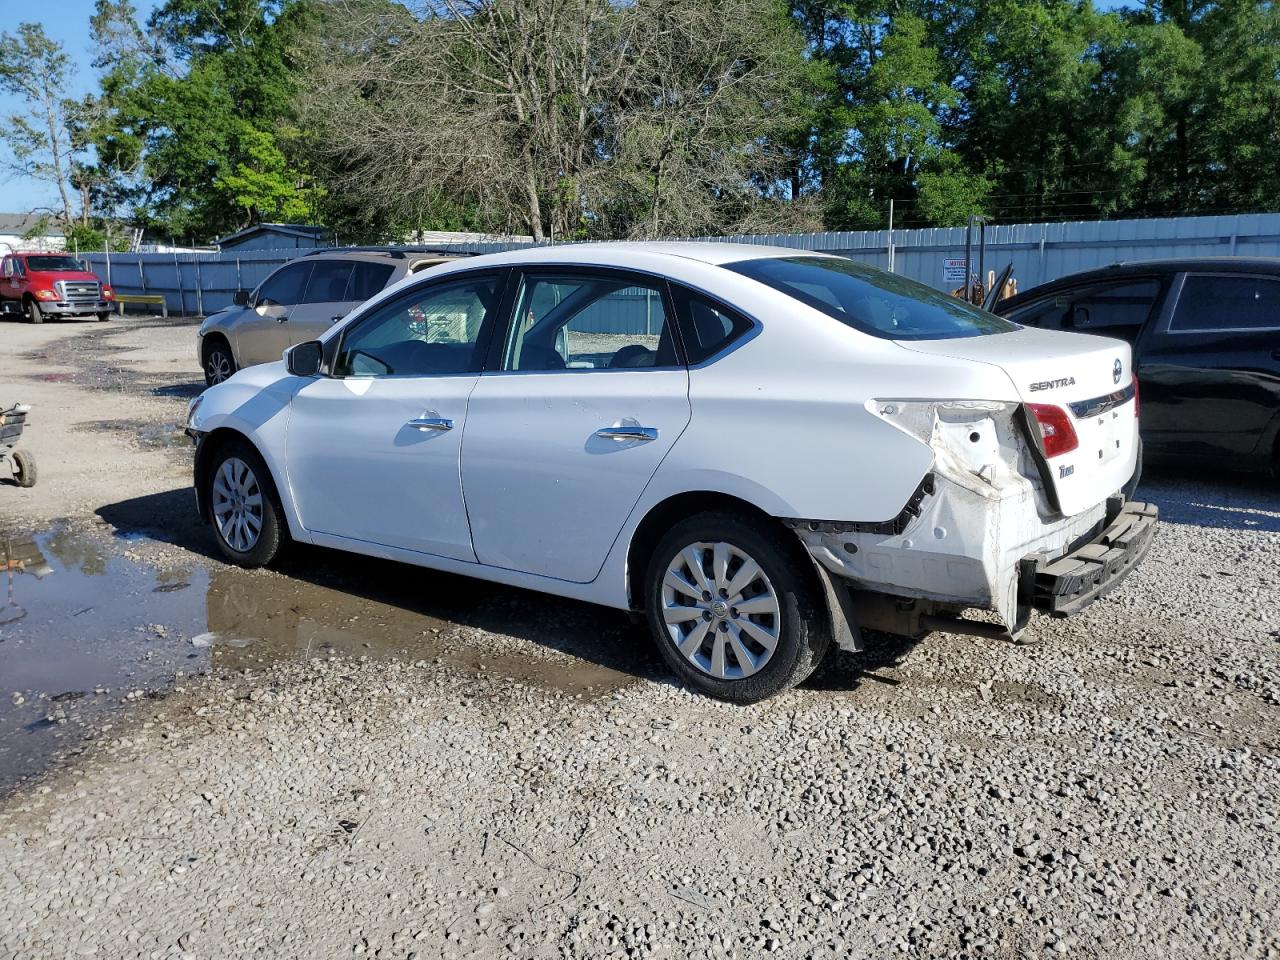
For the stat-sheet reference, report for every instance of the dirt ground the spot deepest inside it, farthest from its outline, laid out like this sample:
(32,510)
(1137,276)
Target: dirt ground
(356,758)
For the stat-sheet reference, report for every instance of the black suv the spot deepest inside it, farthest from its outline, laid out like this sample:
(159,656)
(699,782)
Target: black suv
(1206,343)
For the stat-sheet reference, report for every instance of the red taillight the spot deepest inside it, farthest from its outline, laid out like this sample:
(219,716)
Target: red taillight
(1056,432)
(1135,394)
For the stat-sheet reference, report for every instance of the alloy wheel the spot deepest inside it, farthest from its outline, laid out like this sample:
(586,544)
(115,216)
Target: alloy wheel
(720,610)
(237,504)
(218,366)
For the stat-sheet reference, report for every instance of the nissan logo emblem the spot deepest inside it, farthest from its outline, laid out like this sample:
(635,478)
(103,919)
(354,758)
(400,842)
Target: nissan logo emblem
(1116,369)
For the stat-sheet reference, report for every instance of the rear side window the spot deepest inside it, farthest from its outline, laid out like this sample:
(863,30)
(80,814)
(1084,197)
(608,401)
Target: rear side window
(1227,303)
(709,326)
(328,282)
(567,322)
(870,300)
(285,287)
(368,279)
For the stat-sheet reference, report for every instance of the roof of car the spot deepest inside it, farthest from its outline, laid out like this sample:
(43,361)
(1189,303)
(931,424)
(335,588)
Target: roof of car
(617,252)
(1139,268)
(379,256)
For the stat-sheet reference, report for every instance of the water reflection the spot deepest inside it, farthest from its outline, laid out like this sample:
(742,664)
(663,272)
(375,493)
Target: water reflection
(83,628)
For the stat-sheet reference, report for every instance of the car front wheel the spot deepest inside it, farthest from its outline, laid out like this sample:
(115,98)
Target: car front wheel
(734,607)
(241,500)
(34,313)
(219,364)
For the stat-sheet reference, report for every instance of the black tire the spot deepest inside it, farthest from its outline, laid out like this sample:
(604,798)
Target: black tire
(34,313)
(272,534)
(803,635)
(24,468)
(104,317)
(219,363)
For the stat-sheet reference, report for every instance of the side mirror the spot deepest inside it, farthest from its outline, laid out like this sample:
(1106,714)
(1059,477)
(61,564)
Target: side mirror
(241,298)
(303,360)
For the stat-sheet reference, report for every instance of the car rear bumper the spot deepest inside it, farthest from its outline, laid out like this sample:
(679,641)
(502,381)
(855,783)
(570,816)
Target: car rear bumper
(1066,585)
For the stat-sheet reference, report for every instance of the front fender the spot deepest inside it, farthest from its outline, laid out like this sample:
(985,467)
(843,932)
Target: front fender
(254,404)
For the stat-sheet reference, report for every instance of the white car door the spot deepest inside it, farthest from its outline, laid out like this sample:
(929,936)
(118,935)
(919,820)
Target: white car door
(588,396)
(372,448)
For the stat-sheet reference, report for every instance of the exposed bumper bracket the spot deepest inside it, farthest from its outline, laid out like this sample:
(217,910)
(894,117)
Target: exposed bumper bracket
(1065,586)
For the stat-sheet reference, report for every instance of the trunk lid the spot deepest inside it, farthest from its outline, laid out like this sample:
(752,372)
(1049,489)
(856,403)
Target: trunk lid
(1089,377)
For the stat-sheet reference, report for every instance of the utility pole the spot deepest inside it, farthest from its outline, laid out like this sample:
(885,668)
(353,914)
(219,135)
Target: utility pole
(891,234)
(968,255)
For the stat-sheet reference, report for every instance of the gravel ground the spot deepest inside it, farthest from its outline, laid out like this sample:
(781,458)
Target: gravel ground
(1112,791)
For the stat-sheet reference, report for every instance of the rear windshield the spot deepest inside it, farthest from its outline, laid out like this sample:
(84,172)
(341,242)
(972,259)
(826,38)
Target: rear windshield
(53,264)
(881,304)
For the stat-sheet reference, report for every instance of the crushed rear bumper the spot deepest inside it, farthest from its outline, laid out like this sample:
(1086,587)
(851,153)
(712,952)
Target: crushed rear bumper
(1066,585)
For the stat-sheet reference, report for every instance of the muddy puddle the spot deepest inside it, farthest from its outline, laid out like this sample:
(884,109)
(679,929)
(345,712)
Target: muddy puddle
(85,629)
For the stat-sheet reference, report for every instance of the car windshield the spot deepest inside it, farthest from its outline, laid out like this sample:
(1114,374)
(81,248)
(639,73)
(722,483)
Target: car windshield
(881,304)
(53,264)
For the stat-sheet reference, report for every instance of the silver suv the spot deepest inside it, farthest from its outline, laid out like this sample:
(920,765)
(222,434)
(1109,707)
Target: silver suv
(297,303)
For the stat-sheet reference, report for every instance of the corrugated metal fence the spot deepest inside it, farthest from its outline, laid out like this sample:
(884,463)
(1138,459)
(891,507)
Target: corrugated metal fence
(201,283)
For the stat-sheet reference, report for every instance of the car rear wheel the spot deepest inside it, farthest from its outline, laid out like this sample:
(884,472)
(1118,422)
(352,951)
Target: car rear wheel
(219,364)
(248,522)
(734,608)
(34,313)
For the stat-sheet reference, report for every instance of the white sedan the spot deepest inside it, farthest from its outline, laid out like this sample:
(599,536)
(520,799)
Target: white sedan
(763,449)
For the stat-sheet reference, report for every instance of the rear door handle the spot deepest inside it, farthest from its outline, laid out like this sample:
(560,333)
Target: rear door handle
(625,434)
(428,424)
(1275,354)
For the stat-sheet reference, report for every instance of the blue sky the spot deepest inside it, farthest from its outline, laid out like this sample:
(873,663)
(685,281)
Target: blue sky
(69,25)
(67,22)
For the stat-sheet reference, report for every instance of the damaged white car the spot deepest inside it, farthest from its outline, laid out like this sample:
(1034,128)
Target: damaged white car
(764,450)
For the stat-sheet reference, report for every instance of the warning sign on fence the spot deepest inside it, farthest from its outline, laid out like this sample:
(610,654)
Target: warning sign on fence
(953,270)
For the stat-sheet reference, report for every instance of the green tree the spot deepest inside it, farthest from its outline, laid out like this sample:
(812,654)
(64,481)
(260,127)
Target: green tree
(560,119)
(201,96)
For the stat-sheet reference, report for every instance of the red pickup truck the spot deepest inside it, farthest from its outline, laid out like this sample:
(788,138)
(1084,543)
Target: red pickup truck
(39,285)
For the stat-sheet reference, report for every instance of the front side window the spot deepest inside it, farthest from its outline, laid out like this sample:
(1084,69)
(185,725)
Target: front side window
(1115,310)
(870,300)
(285,287)
(8,266)
(1227,303)
(567,322)
(431,331)
(328,283)
(1043,313)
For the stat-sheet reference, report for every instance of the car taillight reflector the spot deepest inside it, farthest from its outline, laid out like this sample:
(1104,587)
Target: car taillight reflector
(1135,394)
(1057,434)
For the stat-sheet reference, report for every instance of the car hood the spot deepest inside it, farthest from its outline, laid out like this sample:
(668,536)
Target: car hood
(49,276)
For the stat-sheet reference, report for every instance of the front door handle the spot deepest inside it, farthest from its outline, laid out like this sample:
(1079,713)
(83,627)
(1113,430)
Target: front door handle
(625,434)
(282,318)
(427,424)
